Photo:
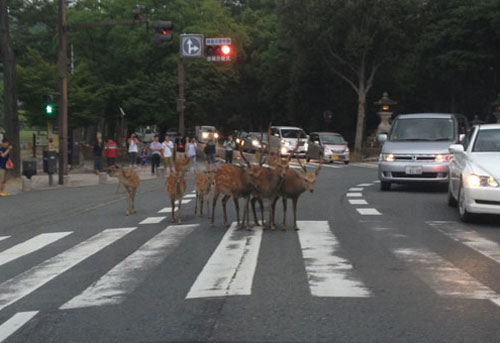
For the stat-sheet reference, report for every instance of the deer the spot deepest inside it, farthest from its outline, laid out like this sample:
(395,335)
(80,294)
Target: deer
(176,187)
(130,181)
(203,184)
(294,184)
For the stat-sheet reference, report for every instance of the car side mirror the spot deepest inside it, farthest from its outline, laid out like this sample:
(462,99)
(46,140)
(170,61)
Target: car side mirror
(382,138)
(456,148)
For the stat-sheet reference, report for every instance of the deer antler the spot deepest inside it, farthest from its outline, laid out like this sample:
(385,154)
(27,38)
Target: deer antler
(294,150)
(261,149)
(243,157)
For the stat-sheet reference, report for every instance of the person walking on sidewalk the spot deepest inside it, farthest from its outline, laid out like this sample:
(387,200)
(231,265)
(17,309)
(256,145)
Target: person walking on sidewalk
(191,152)
(5,149)
(168,151)
(156,153)
(133,149)
(210,152)
(229,145)
(111,150)
(180,148)
(98,148)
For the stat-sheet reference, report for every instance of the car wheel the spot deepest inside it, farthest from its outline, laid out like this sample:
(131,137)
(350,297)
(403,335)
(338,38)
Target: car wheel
(462,207)
(385,186)
(346,162)
(452,202)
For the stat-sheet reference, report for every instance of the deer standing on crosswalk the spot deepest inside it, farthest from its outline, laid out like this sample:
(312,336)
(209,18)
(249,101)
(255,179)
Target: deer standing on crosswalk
(203,185)
(129,179)
(176,187)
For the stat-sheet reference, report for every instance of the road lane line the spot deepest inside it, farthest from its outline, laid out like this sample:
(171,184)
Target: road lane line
(357,202)
(354,195)
(31,245)
(356,189)
(4,237)
(27,282)
(187,196)
(14,323)
(231,268)
(329,275)
(368,212)
(469,238)
(113,287)
(152,220)
(364,185)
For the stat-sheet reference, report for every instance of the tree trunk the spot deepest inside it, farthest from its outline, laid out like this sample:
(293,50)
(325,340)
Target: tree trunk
(360,123)
(10,89)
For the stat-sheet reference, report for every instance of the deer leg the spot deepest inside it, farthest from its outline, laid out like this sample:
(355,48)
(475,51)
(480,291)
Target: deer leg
(295,200)
(196,204)
(133,200)
(202,200)
(225,198)
(172,202)
(208,205)
(179,214)
(272,210)
(261,204)
(256,220)
(214,202)
(237,207)
(284,214)
(247,200)
(128,203)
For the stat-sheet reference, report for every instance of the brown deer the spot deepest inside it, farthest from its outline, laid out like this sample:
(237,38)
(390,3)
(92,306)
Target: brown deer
(203,184)
(130,181)
(176,187)
(294,184)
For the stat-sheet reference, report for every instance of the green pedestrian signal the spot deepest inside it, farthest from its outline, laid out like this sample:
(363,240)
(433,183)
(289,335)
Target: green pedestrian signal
(48,105)
(49,109)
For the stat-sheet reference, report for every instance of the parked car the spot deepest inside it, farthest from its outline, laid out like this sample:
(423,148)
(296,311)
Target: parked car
(475,172)
(288,136)
(416,149)
(328,146)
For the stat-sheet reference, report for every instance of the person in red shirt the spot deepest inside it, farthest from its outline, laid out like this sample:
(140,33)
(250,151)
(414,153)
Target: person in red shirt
(111,150)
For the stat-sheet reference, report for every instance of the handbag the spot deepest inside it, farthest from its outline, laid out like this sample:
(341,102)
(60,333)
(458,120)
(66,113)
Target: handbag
(9,164)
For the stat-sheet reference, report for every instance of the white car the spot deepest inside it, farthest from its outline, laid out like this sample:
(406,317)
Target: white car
(475,172)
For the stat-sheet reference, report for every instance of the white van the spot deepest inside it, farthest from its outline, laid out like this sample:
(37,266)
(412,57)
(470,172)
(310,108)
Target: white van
(288,139)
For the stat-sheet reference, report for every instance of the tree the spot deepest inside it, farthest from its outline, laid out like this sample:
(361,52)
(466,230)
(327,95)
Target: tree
(11,116)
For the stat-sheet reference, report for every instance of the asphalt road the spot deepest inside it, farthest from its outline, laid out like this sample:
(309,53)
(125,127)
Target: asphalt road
(366,266)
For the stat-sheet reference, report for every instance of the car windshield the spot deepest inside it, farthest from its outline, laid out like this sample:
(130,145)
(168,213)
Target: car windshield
(487,141)
(423,129)
(292,133)
(208,128)
(332,139)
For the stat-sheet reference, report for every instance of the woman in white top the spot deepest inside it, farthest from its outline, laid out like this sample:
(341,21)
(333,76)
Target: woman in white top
(191,152)
(133,149)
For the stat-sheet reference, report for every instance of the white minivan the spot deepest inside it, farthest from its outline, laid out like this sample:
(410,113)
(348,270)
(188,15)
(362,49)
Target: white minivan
(288,139)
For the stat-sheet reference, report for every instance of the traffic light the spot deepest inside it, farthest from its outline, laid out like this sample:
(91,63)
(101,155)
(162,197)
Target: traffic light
(218,49)
(163,31)
(48,105)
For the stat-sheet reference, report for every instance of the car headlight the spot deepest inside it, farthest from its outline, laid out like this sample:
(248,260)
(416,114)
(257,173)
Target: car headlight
(346,149)
(255,143)
(387,158)
(238,141)
(216,135)
(443,158)
(475,181)
(204,135)
(283,150)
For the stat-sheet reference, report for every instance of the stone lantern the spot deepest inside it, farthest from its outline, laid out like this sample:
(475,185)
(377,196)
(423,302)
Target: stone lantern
(496,108)
(385,112)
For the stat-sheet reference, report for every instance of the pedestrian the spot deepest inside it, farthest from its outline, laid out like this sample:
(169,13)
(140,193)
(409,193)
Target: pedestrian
(168,151)
(144,157)
(111,149)
(156,153)
(180,148)
(210,152)
(133,149)
(191,152)
(5,149)
(98,148)
(230,146)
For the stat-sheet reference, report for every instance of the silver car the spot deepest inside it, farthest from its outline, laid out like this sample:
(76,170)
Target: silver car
(416,149)
(328,146)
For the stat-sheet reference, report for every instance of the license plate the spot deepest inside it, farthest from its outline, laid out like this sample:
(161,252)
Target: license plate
(413,170)
(335,157)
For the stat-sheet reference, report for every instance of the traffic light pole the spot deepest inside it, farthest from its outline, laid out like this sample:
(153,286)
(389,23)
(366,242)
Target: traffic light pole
(63,90)
(180,100)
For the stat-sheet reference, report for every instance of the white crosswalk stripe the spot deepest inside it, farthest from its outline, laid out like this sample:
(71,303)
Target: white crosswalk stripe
(125,277)
(15,323)
(3,237)
(25,283)
(29,246)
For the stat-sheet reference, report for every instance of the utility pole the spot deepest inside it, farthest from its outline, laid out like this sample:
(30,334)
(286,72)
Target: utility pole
(181,100)
(63,90)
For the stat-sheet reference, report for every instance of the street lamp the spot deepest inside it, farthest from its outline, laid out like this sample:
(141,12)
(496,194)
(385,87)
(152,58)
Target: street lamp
(385,112)
(496,108)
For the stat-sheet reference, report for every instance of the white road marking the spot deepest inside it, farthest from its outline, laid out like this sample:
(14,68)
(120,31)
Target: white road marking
(357,202)
(15,323)
(364,185)
(29,246)
(231,268)
(169,209)
(354,195)
(113,287)
(3,237)
(356,189)
(470,238)
(152,220)
(23,284)
(376,181)
(187,196)
(329,274)
(368,211)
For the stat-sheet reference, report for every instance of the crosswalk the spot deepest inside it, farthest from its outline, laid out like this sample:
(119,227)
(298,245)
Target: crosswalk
(231,268)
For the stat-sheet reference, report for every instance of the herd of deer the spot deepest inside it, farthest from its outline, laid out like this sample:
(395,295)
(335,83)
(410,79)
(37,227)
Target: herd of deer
(252,182)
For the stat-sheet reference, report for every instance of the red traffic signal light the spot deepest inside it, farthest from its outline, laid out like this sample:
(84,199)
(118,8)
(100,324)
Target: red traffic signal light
(225,50)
